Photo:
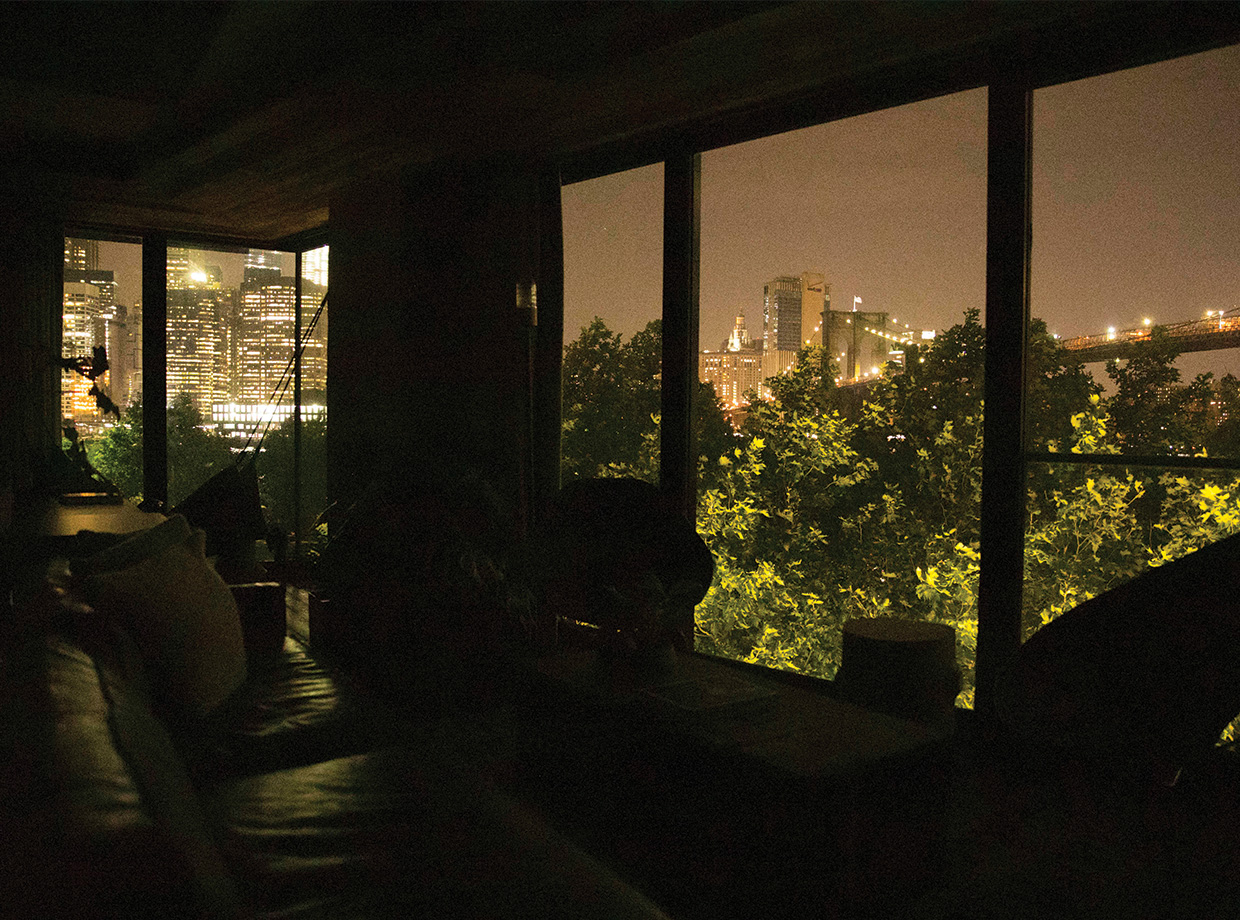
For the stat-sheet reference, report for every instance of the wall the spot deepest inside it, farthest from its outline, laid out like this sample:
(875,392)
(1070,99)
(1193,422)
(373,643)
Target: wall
(428,354)
(31,269)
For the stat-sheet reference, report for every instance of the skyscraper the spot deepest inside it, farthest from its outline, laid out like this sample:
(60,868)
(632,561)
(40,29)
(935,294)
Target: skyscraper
(195,338)
(82,255)
(268,310)
(82,327)
(815,301)
(781,313)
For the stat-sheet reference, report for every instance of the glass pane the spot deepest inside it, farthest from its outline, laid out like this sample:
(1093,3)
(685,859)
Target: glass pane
(292,468)
(102,309)
(1134,347)
(1134,273)
(842,279)
(613,305)
(230,341)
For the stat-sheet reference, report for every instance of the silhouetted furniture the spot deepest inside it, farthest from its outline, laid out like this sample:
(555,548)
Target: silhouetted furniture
(903,667)
(1144,677)
(296,798)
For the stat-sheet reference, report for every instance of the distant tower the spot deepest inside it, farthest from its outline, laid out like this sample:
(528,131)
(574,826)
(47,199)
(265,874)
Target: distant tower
(266,341)
(81,325)
(739,337)
(815,301)
(263,266)
(314,266)
(781,314)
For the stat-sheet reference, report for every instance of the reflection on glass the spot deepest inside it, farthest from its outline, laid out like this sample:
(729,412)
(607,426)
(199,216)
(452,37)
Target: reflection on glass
(842,276)
(613,304)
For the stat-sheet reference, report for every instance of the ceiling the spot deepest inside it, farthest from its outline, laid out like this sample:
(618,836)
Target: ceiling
(240,120)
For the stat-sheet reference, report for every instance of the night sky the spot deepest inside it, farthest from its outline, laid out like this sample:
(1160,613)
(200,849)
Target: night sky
(1136,212)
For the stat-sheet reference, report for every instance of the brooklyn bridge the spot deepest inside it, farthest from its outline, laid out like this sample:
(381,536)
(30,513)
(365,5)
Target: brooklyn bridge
(1217,329)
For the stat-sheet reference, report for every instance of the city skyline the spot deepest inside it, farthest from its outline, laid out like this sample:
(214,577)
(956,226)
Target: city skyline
(228,346)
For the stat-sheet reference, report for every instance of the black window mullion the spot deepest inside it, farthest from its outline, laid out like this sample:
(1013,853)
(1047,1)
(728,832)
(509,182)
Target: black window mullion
(1008,236)
(682,193)
(154,372)
(547,387)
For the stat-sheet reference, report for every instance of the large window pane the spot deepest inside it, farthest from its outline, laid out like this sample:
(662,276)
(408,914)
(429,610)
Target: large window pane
(1134,280)
(293,464)
(842,279)
(1134,273)
(613,305)
(102,310)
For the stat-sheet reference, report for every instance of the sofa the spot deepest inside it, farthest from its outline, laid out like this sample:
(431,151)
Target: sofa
(141,783)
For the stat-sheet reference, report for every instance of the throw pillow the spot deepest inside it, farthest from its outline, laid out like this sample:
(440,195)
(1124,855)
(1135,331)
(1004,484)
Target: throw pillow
(159,587)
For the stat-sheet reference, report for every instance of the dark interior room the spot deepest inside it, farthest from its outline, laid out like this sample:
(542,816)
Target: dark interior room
(451,676)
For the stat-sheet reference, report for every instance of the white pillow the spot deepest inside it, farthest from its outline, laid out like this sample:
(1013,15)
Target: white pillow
(159,586)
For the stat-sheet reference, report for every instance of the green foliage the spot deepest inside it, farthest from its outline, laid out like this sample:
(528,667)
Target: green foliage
(816,519)
(275,474)
(195,453)
(118,454)
(612,398)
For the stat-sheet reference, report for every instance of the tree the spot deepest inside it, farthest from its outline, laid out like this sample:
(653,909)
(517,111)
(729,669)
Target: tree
(195,453)
(118,454)
(275,474)
(612,399)
(1058,389)
(1151,412)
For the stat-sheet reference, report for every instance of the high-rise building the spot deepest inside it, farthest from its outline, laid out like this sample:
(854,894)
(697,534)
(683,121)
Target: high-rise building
(268,310)
(781,314)
(82,255)
(195,336)
(82,329)
(103,280)
(314,266)
(815,301)
(314,352)
(792,316)
(124,335)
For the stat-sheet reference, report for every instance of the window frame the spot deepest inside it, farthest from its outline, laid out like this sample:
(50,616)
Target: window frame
(154,288)
(1010,73)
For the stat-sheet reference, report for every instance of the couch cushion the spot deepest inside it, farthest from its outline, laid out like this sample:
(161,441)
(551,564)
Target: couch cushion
(406,832)
(159,586)
(293,711)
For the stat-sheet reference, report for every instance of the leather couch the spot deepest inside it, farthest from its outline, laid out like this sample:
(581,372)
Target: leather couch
(298,798)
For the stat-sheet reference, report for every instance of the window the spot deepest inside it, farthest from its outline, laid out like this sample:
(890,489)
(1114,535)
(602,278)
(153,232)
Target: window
(842,279)
(1133,358)
(613,304)
(1097,165)
(293,462)
(102,310)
